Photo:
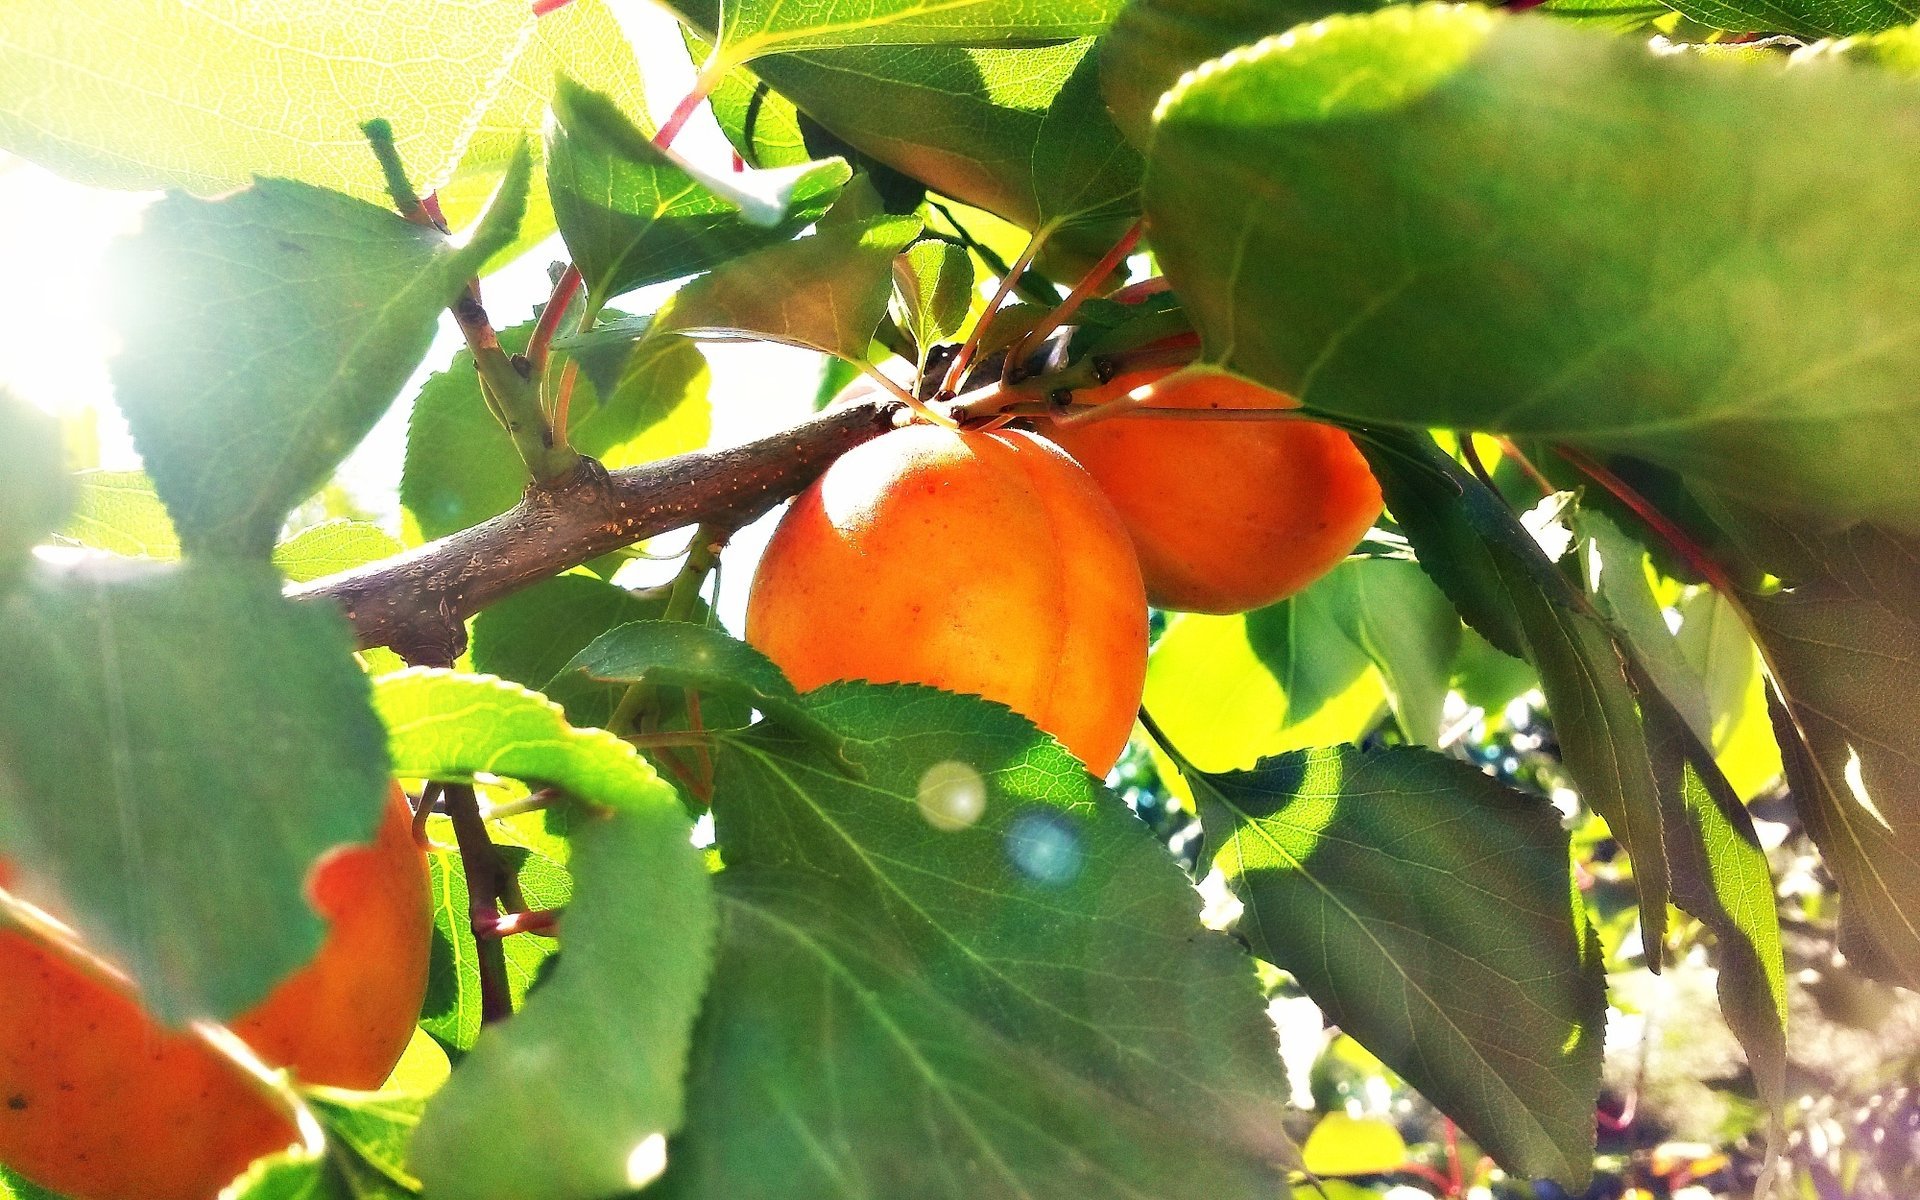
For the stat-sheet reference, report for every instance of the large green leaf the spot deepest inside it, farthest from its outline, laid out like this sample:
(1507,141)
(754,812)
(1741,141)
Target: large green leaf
(265,333)
(963,969)
(830,1064)
(461,467)
(571,1097)
(1842,640)
(1720,871)
(1019,131)
(751,28)
(1487,562)
(150,93)
(825,292)
(187,744)
(632,214)
(35,492)
(1429,911)
(1377,215)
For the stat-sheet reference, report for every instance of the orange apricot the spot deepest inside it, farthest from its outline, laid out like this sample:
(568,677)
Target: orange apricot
(1226,515)
(100,1102)
(984,563)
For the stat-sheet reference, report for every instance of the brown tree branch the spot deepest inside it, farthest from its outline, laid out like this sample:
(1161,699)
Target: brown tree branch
(418,602)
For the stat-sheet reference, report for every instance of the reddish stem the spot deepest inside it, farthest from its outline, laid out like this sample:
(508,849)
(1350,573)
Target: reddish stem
(1424,1173)
(542,7)
(1675,537)
(540,346)
(1089,283)
(1134,293)
(539,920)
(1454,1181)
(957,369)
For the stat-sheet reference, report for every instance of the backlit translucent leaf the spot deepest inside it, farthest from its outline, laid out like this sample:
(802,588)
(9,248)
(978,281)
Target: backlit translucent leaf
(203,96)
(1408,893)
(332,547)
(1348,207)
(188,730)
(557,1101)
(825,292)
(265,333)
(119,511)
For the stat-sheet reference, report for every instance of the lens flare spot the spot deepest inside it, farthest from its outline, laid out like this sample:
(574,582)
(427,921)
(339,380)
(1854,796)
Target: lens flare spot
(647,1161)
(1045,847)
(952,795)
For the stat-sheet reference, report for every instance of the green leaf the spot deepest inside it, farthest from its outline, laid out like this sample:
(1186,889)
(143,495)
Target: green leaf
(918,976)
(293,1175)
(372,1130)
(751,28)
(633,214)
(826,292)
(682,654)
(1232,690)
(1154,42)
(35,493)
(1329,205)
(119,511)
(1407,628)
(265,333)
(1717,648)
(1020,131)
(1346,1145)
(451,1011)
(190,742)
(461,467)
(1841,640)
(1405,890)
(932,290)
(566,1099)
(146,94)
(1720,871)
(1503,585)
(532,636)
(12,1187)
(332,547)
(762,125)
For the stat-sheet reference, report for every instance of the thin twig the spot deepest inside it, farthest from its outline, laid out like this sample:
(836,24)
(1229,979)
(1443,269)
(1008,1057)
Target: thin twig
(957,370)
(540,346)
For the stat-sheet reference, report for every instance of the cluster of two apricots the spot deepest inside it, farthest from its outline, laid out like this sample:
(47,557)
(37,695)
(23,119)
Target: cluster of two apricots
(98,1101)
(1019,568)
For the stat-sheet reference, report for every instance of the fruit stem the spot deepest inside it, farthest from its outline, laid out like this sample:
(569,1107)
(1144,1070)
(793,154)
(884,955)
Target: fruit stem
(957,369)
(920,407)
(705,80)
(1089,283)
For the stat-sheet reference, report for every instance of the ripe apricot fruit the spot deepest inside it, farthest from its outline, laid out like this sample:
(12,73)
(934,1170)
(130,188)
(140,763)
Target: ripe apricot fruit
(985,563)
(1226,515)
(100,1102)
